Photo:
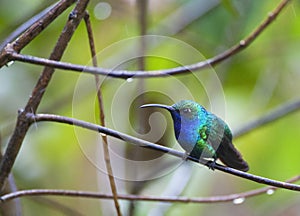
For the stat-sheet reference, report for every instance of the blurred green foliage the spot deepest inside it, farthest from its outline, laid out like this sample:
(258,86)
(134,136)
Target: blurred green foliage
(263,76)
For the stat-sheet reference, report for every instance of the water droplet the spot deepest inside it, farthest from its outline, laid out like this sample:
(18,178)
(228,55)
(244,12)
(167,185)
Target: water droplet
(239,200)
(129,80)
(10,63)
(270,191)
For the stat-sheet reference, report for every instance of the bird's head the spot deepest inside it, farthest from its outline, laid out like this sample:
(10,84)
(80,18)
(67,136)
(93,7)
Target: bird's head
(185,110)
(186,115)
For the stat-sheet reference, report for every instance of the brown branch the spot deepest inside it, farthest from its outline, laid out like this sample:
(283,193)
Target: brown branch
(102,117)
(182,199)
(23,124)
(35,29)
(26,25)
(158,73)
(149,145)
(252,36)
(142,19)
(269,117)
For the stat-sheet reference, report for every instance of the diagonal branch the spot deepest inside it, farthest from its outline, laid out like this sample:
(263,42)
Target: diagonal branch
(157,73)
(94,195)
(35,29)
(46,13)
(271,116)
(145,144)
(102,117)
(23,124)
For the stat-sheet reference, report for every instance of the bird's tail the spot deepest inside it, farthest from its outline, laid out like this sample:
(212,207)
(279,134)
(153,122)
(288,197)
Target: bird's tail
(231,157)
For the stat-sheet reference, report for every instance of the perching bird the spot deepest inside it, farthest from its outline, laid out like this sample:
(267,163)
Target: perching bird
(202,134)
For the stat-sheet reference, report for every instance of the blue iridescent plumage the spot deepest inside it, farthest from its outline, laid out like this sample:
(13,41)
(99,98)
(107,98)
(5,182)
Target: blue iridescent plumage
(202,134)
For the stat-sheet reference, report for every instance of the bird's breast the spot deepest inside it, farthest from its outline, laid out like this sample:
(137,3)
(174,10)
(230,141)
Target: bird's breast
(187,137)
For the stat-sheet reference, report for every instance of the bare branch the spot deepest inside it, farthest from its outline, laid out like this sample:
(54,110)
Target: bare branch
(95,195)
(27,116)
(157,73)
(23,124)
(142,19)
(102,117)
(271,116)
(35,29)
(26,25)
(146,144)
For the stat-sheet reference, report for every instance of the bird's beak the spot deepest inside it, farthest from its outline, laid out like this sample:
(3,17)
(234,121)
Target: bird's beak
(169,108)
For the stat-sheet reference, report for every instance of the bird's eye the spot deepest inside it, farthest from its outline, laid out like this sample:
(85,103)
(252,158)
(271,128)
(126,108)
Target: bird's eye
(186,110)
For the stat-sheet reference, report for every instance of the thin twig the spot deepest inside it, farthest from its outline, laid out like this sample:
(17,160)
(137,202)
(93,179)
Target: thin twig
(271,116)
(35,29)
(181,199)
(102,117)
(142,15)
(124,74)
(26,25)
(146,144)
(23,124)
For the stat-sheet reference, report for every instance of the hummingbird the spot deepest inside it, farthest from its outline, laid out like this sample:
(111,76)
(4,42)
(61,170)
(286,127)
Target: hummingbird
(202,134)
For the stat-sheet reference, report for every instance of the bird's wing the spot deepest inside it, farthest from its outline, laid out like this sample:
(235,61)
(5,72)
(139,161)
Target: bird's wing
(230,156)
(221,140)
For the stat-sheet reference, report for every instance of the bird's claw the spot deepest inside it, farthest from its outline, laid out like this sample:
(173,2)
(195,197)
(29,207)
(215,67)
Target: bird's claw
(211,165)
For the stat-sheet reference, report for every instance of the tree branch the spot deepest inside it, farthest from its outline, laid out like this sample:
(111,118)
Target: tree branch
(34,29)
(271,116)
(27,24)
(125,74)
(142,19)
(145,144)
(102,117)
(23,124)
(95,195)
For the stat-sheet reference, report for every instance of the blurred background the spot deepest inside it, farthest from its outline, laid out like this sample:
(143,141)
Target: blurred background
(263,76)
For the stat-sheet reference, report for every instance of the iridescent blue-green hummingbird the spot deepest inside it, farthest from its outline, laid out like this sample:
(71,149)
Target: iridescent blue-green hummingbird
(202,134)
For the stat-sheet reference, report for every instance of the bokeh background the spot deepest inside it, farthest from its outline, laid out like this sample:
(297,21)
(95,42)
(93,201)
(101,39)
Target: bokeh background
(253,82)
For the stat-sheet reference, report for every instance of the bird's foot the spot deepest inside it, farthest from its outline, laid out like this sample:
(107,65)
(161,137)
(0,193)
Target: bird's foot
(211,165)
